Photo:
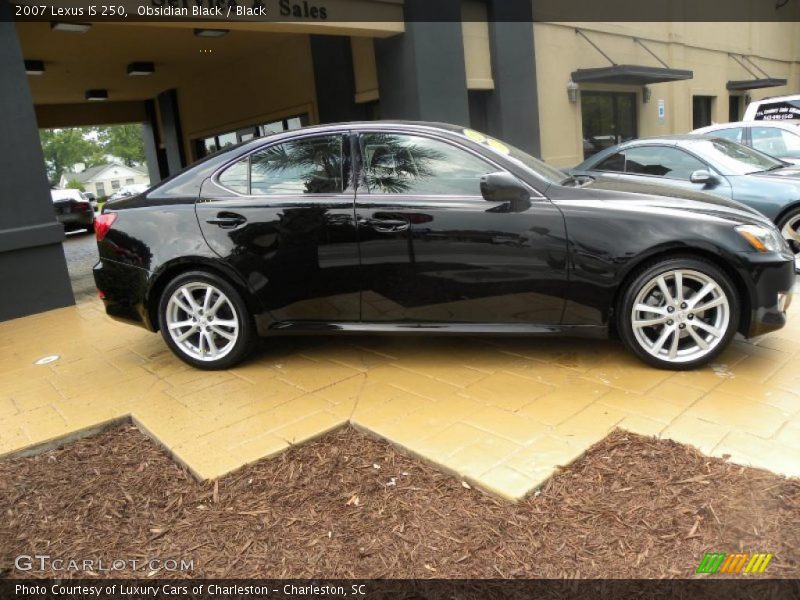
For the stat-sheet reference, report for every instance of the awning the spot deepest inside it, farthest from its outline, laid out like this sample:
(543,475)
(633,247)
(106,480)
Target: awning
(754,84)
(630,75)
(760,79)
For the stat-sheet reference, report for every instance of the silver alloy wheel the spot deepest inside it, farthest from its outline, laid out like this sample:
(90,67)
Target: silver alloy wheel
(202,321)
(792,236)
(680,315)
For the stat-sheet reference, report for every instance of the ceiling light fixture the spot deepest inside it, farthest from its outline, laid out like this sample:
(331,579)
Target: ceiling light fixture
(138,69)
(34,67)
(211,33)
(96,95)
(71,27)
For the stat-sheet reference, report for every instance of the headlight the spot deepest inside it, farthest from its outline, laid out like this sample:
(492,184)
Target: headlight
(762,239)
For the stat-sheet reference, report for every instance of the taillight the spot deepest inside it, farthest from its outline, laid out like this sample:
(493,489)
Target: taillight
(84,206)
(102,223)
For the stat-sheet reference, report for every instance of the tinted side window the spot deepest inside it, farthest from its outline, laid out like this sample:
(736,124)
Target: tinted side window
(615,162)
(661,161)
(307,166)
(733,134)
(236,176)
(407,164)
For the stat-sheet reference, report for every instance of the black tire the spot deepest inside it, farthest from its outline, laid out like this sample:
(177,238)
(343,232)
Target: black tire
(90,228)
(247,336)
(645,276)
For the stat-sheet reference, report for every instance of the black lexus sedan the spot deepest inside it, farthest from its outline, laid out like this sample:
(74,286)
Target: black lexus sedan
(399,227)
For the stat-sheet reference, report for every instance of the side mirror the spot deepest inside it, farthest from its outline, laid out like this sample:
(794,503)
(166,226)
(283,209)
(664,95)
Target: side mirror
(503,187)
(702,176)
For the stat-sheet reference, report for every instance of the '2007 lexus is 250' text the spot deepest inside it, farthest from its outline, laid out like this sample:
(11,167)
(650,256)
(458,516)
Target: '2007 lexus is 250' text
(399,227)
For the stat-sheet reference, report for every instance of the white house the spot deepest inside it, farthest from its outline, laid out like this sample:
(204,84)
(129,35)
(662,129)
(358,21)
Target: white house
(104,180)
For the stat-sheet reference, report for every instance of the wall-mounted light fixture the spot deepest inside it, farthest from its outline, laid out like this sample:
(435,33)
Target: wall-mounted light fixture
(211,33)
(572,91)
(139,69)
(34,67)
(96,95)
(748,99)
(71,27)
(647,93)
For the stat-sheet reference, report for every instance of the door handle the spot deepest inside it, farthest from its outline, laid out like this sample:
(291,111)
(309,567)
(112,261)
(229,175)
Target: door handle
(388,225)
(227,220)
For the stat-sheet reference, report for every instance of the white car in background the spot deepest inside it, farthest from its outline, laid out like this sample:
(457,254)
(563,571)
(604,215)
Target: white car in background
(777,108)
(779,139)
(129,190)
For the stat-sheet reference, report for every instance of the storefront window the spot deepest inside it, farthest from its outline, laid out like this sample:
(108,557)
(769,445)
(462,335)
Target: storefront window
(608,118)
(214,143)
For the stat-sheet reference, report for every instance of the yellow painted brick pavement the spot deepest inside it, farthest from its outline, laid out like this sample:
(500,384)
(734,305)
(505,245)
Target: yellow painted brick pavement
(499,413)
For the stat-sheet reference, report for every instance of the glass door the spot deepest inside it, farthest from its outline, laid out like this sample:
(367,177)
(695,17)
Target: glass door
(609,118)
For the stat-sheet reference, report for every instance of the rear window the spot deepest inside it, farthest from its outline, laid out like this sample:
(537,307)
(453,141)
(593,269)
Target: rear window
(57,195)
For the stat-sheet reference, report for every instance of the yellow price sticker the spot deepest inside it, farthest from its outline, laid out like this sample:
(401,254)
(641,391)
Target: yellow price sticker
(475,136)
(498,147)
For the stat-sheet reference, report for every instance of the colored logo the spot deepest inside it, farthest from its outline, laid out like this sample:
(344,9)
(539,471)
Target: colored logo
(740,564)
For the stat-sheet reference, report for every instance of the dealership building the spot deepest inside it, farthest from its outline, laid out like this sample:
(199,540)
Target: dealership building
(558,90)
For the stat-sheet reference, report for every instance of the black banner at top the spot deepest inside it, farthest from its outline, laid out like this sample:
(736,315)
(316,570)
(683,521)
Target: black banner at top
(333,11)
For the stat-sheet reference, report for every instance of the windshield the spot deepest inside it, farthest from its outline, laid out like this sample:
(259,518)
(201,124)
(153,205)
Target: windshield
(730,158)
(539,168)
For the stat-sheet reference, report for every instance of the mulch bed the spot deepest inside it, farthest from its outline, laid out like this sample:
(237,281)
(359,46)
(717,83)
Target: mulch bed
(349,506)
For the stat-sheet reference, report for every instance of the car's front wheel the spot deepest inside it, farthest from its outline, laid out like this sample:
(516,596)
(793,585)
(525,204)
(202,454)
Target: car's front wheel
(789,224)
(678,313)
(205,321)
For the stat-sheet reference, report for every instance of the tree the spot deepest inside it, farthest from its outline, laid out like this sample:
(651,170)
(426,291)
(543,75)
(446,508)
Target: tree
(124,142)
(74,184)
(64,148)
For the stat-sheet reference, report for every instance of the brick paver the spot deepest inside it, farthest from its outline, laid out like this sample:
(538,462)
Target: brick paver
(500,413)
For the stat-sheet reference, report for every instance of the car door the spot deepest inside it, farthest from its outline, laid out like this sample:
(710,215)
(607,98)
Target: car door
(653,165)
(434,251)
(283,217)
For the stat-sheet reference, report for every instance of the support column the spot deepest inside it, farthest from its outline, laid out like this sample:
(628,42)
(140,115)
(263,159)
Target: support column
(154,154)
(171,133)
(421,73)
(513,106)
(334,79)
(32,264)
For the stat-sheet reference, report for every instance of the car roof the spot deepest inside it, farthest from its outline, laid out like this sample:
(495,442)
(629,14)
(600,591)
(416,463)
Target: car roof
(790,125)
(669,140)
(333,127)
(777,98)
(66,194)
(346,125)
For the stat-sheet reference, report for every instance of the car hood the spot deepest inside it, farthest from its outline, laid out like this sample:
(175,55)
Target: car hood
(669,191)
(660,201)
(791,171)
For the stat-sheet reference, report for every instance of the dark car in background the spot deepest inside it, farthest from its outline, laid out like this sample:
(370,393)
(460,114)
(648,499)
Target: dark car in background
(72,210)
(706,164)
(397,227)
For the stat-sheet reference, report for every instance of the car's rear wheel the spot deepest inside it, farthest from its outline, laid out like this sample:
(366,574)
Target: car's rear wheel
(789,224)
(678,313)
(205,321)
